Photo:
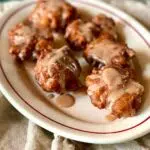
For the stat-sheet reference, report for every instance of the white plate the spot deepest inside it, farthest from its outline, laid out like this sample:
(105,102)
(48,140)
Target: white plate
(83,121)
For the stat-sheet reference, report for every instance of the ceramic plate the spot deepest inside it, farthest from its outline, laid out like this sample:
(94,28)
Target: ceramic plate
(83,121)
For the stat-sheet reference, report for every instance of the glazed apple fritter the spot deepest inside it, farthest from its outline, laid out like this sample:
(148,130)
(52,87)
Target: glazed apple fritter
(116,90)
(58,71)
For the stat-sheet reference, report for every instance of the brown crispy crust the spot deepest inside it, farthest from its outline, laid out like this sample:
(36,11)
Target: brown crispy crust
(122,60)
(126,106)
(54,19)
(75,37)
(98,99)
(36,44)
(107,25)
(57,77)
(23,50)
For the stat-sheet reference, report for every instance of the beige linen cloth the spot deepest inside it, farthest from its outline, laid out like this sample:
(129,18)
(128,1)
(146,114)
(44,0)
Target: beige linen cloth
(18,133)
